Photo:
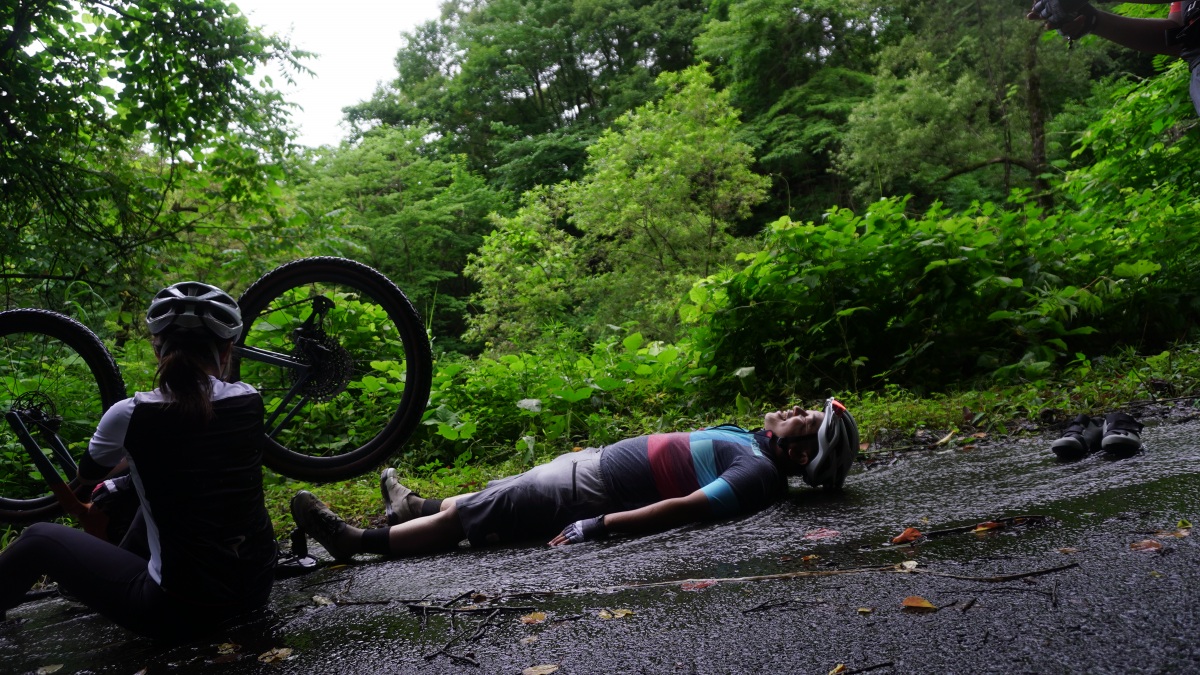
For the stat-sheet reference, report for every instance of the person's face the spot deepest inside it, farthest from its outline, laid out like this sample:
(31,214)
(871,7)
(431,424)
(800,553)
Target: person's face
(795,422)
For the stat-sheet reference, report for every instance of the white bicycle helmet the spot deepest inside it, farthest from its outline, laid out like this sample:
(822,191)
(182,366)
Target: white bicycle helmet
(837,442)
(194,306)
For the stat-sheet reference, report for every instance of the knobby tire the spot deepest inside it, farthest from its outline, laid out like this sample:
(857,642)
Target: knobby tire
(370,366)
(54,362)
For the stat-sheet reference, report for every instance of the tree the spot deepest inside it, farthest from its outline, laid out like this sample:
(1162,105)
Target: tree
(125,124)
(982,84)
(796,70)
(522,87)
(412,214)
(653,213)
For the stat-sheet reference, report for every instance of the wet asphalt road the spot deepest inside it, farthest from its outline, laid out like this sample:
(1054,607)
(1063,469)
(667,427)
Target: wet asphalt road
(1091,603)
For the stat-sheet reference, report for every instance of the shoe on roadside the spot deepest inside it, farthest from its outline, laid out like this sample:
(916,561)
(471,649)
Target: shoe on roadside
(317,521)
(1122,434)
(395,498)
(1081,437)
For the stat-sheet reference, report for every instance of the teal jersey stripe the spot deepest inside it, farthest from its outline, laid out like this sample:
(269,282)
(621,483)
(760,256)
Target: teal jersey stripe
(704,460)
(738,437)
(721,498)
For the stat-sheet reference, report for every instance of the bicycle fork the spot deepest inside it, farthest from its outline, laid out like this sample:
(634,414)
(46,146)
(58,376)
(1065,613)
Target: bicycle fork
(94,522)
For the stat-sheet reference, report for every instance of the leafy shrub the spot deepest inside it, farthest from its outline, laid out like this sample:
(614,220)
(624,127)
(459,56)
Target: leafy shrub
(542,401)
(930,300)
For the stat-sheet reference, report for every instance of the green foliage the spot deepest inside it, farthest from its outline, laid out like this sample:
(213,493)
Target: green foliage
(796,69)
(130,133)
(659,198)
(411,213)
(521,87)
(513,406)
(924,301)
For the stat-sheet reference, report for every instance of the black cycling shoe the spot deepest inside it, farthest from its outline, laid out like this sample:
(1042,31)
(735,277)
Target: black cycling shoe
(318,522)
(1081,437)
(1122,434)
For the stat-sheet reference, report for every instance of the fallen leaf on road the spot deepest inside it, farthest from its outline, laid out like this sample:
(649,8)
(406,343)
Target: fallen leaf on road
(1146,545)
(821,533)
(275,655)
(46,670)
(1156,574)
(989,525)
(811,557)
(1183,524)
(529,640)
(907,566)
(909,534)
(865,610)
(228,648)
(696,585)
(321,601)
(544,669)
(1068,551)
(915,603)
(1178,534)
(838,669)
(615,614)
(535,617)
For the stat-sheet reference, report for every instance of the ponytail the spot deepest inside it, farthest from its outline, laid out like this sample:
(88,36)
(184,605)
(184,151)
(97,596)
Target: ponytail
(184,365)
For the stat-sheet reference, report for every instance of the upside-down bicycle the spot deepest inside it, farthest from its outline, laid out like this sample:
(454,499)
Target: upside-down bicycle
(338,352)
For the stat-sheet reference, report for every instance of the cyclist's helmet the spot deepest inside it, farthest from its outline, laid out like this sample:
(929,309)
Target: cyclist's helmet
(191,306)
(837,440)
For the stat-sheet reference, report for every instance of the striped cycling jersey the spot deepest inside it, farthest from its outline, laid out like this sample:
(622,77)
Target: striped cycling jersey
(729,464)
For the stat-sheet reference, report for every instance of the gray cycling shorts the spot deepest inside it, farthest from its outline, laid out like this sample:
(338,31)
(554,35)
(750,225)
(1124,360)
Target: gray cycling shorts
(539,503)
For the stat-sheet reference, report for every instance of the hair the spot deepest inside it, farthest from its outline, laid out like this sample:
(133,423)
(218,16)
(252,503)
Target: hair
(184,364)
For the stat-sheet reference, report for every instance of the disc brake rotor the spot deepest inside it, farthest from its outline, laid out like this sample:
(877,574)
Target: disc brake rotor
(39,409)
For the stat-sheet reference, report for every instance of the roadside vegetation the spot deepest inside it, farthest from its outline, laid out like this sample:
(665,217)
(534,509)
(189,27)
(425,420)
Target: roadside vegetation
(645,216)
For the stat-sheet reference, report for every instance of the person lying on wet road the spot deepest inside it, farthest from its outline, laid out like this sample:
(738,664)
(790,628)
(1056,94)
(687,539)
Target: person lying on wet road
(635,486)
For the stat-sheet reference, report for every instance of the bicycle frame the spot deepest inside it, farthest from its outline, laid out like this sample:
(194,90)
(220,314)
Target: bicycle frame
(302,370)
(94,522)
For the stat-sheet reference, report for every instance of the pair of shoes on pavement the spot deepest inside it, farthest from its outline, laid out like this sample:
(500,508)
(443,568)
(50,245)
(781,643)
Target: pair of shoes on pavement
(1117,434)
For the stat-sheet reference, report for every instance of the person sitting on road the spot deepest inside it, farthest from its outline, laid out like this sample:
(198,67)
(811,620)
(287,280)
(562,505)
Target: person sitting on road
(639,485)
(193,447)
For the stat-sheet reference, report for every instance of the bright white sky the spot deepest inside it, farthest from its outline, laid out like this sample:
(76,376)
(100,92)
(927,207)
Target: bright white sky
(356,43)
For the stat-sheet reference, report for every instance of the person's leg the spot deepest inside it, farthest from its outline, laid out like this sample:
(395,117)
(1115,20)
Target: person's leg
(428,534)
(102,576)
(425,534)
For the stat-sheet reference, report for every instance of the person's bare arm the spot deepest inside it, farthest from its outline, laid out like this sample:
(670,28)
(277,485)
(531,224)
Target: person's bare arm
(654,517)
(1144,35)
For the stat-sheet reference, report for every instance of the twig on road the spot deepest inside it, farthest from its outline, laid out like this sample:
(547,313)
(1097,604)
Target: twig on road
(465,610)
(999,577)
(885,664)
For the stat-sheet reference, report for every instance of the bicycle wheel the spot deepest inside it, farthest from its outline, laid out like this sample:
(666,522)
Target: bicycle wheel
(54,365)
(342,361)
